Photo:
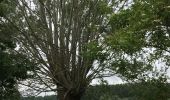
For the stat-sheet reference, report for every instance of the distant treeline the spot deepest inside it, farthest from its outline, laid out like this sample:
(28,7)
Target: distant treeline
(138,91)
(50,97)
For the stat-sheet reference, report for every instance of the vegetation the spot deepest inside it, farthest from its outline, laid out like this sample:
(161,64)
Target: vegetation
(65,44)
(13,66)
(140,38)
(63,38)
(140,91)
(51,97)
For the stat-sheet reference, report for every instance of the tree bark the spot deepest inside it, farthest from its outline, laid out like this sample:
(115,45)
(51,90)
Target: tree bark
(65,94)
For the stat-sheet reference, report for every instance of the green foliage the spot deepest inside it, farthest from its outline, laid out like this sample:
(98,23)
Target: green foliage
(127,42)
(107,92)
(120,20)
(143,25)
(6,7)
(13,66)
(130,69)
(139,91)
(153,89)
(109,97)
(103,7)
(94,51)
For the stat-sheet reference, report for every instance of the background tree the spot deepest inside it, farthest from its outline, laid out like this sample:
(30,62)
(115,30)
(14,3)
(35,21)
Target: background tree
(140,39)
(140,46)
(13,66)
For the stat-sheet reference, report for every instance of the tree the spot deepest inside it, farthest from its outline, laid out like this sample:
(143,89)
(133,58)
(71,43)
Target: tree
(140,38)
(13,66)
(140,46)
(63,36)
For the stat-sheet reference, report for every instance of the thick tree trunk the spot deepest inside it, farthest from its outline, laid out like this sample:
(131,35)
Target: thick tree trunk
(63,94)
(73,97)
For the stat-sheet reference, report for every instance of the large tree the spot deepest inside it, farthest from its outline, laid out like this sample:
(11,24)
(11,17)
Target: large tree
(64,38)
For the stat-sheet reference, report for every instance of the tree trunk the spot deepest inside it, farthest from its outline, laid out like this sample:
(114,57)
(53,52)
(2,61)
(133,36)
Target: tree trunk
(72,97)
(64,94)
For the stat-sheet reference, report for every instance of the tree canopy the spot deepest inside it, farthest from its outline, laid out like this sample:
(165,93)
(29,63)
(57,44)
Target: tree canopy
(140,38)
